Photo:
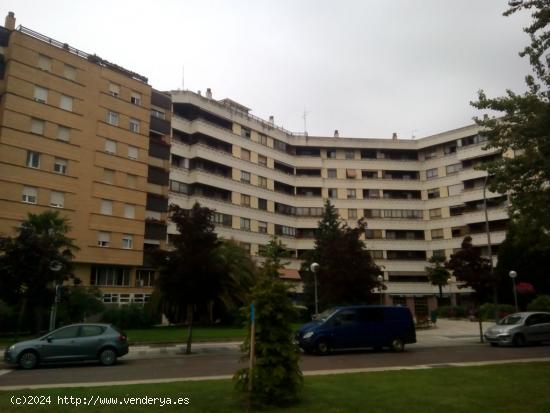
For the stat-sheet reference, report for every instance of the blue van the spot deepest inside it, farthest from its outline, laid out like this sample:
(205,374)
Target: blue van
(358,326)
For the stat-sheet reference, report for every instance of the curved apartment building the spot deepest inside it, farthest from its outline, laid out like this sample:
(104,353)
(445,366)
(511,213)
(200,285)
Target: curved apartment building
(420,197)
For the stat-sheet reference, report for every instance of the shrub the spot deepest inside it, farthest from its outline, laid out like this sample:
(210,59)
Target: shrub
(448,311)
(541,303)
(78,304)
(487,311)
(8,318)
(128,316)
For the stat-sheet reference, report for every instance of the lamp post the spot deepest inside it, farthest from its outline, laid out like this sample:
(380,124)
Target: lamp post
(380,279)
(314,267)
(513,276)
(55,266)
(489,246)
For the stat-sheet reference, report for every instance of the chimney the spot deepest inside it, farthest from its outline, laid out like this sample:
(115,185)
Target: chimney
(394,135)
(336,134)
(272,119)
(209,93)
(10,21)
(199,93)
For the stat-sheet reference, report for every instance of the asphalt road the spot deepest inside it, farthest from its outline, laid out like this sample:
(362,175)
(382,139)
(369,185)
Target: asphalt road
(175,367)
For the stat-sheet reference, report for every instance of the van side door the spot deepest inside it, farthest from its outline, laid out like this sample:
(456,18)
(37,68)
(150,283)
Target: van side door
(373,329)
(344,326)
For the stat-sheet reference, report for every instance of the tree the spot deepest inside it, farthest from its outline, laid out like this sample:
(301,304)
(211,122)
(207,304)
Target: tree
(78,303)
(200,270)
(438,274)
(523,126)
(347,273)
(276,378)
(34,261)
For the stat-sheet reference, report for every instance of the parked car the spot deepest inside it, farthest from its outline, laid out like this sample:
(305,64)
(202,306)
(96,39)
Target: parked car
(355,327)
(520,328)
(75,342)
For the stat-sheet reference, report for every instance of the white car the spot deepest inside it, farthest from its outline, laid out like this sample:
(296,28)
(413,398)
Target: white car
(520,328)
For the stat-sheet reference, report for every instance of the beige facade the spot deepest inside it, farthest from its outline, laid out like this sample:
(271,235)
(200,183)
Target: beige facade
(74,136)
(419,197)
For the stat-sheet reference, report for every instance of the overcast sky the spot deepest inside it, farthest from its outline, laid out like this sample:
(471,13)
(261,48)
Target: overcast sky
(367,68)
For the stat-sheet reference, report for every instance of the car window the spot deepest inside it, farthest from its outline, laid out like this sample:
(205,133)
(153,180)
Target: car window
(67,332)
(533,319)
(510,320)
(345,317)
(369,315)
(90,331)
(545,318)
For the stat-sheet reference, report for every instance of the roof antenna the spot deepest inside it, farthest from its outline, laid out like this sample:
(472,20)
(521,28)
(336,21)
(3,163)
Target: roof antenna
(183,78)
(305,120)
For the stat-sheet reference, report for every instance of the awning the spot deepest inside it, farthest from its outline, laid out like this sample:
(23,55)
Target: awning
(289,274)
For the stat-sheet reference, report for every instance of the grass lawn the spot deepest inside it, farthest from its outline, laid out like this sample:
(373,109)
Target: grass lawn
(522,388)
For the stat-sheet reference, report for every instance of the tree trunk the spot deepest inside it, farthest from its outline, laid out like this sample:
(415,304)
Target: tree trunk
(189,327)
(480,326)
(440,291)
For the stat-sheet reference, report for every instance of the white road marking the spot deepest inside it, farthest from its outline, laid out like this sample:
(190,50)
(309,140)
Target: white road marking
(2,372)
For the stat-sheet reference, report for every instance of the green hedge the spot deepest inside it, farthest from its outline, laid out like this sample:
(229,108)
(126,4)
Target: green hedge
(448,311)
(128,316)
(541,303)
(487,310)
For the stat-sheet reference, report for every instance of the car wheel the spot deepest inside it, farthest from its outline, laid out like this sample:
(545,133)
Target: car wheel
(397,345)
(322,347)
(28,360)
(107,357)
(518,340)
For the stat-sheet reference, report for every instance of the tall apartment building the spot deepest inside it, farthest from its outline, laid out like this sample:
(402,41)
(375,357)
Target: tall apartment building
(420,197)
(75,136)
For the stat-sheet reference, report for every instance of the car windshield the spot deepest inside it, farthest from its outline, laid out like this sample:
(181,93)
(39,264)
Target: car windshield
(325,315)
(510,320)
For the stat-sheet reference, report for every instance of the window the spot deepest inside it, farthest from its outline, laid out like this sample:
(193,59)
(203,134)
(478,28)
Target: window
(131,181)
(132,152)
(104,275)
(222,219)
(373,233)
(60,166)
(331,173)
(263,139)
(179,187)
(262,204)
(69,72)
(135,98)
(350,154)
(134,125)
(285,230)
(40,94)
(37,126)
(110,146)
(454,168)
(158,114)
(65,333)
(352,213)
(57,199)
(103,239)
(129,211)
(245,132)
(333,193)
(377,254)
(245,154)
(351,193)
(106,207)
(114,89)
(108,176)
(145,278)
(447,150)
(262,182)
(430,155)
(437,233)
(245,224)
(245,200)
(331,153)
(262,160)
(44,63)
(63,133)
(456,189)
(431,173)
(33,159)
(433,193)
(112,118)
(127,242)
(438,253)
(29,195)
(262,227)
(245,177)
(66,102)
(435,213)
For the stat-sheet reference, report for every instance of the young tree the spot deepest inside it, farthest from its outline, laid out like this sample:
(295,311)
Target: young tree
(347,273)
(275,379)
(523,126)
(34,261)
(438,274)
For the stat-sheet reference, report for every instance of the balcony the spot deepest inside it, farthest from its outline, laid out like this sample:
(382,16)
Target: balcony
(158,125)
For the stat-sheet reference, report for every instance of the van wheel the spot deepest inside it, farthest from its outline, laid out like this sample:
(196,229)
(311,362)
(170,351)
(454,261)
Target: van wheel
(322,347)
(397,345)
(107,357)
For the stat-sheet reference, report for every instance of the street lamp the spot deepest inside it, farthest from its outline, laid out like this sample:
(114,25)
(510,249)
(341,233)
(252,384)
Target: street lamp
(314,267)
(380,279)
(55,266)
(513,276)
